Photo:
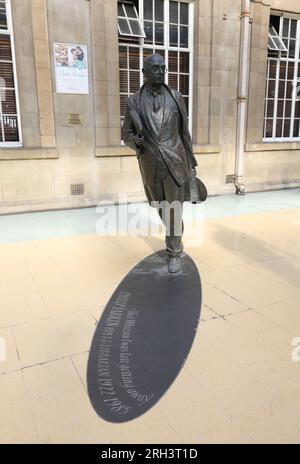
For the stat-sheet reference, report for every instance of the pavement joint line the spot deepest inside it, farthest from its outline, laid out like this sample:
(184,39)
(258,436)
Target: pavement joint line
(230,296)
(16,346)
(42,363)
(273,279)
(274,323)
(270,321)
(36,288)
(51,316)
(222,316)
(30,406)
(296,297)
(76,370)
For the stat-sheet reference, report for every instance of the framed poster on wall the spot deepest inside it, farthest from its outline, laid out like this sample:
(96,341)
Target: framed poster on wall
(71,68)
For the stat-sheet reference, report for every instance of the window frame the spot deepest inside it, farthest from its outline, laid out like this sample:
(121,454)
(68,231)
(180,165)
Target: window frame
(137,19)
(295,80)
(273,35)
(167,48)
(9,32)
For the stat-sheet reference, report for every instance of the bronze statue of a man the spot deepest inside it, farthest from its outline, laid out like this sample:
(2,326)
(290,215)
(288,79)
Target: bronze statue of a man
(156,126)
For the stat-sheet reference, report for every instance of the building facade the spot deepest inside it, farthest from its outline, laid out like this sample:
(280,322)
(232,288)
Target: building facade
(67,69)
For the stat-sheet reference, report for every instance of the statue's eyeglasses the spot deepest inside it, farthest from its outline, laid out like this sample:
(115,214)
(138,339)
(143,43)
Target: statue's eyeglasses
(156,68)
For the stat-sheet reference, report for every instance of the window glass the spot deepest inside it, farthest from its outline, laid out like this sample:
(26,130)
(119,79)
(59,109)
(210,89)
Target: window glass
(293,28)
(173,62)
(184,14)
(184,84)
(3,18)
(184,36)
(124,27)
(148,10)
(173,81)
(286,25)
(173,36)
(159,34)
(120,10)
(159,10)
(130,11)
(148,28)
(5,48)
(134,58)
(173,12)
(135,27)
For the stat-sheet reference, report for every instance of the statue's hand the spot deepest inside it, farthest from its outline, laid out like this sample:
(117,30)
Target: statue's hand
(138,140)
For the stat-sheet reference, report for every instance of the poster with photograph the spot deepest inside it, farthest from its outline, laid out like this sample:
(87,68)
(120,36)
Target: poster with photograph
(71,68)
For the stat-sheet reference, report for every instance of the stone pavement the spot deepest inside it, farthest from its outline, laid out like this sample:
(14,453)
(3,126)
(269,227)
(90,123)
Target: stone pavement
(240,383)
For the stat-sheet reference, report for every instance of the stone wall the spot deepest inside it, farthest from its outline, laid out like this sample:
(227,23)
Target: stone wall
(268,165)
(57,154)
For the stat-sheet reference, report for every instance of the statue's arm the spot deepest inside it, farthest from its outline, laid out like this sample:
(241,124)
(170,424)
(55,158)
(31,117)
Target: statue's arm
(187,135)
(128,130)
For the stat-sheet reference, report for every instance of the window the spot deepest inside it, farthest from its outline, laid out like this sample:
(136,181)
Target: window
(168,31)
(9,114)
(282,100)
(275,42)
(128,20)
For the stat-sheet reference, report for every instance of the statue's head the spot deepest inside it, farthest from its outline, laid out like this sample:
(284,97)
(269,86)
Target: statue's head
(154,69)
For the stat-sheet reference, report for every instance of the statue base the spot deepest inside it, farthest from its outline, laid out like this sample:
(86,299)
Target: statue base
(143,338)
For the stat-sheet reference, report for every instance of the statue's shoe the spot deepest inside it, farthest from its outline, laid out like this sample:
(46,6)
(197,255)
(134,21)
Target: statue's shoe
(174,265)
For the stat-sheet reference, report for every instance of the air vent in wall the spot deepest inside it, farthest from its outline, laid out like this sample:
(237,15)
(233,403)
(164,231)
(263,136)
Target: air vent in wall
(77,189)
(229,179)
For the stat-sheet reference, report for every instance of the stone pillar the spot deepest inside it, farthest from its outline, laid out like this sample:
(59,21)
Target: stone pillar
(215,65)
(105,58)
(202,69)
(43,72)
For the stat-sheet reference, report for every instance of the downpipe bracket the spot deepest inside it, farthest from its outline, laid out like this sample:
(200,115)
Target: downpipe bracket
(239,186)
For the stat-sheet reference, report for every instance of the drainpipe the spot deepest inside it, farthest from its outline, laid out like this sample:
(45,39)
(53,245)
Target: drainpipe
(242,98)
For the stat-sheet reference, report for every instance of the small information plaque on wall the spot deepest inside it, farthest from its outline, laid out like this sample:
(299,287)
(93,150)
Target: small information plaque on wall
(71,68)
(74,119)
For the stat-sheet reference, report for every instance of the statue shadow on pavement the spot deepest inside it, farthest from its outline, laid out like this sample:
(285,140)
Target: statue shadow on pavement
(143,338)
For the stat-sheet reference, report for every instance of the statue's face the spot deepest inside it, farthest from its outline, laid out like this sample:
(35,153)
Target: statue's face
(154,70)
